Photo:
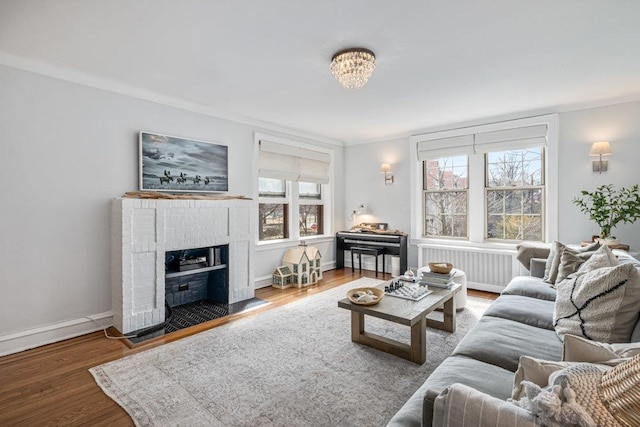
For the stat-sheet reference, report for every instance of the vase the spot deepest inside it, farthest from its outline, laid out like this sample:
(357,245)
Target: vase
(609,241)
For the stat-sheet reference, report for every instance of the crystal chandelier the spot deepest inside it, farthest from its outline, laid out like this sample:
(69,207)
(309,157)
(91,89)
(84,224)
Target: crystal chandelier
(353,67)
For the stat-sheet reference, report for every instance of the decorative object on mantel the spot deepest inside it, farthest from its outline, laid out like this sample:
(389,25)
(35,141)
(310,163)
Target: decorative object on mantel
(373,229)
(170,163)
(608,207)
(158,195)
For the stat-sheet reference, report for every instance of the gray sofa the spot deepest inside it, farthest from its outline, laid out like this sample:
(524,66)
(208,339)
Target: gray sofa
(518,323)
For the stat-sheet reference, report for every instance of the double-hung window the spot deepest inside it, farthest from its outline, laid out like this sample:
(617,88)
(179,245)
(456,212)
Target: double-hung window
(487,183)
(293,189)
(445,192)
(310,209)
(514,194)
(273,211)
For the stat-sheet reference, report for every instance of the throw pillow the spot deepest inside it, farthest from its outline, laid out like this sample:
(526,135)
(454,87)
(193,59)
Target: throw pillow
(603,257)
(572,398)
(578,349)
(534,370)
(570,262)
(600,304)
(553,262)
(537,371)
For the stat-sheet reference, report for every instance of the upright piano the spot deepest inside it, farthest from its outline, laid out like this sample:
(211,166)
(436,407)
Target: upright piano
(394,244)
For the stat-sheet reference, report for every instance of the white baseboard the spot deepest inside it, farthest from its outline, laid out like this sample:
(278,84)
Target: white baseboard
(31,338)
(485,287)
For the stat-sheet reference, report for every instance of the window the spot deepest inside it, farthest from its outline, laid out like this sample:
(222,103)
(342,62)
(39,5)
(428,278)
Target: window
(294,189)
(273,209)
(514,193)
(491,183)
(310,209)
(445,185)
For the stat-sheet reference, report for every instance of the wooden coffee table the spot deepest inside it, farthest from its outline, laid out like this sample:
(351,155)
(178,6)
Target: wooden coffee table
(404,312)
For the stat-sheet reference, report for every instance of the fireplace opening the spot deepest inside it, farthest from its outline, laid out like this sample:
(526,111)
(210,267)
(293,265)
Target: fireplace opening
(196,291)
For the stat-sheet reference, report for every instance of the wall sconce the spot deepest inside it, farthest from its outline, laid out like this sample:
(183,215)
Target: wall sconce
(385,168)
(600,149)
(359,210)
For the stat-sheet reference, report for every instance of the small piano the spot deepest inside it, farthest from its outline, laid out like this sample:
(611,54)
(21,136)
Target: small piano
(394,244)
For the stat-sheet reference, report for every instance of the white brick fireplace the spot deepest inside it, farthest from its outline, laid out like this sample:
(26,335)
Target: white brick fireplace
(143,230)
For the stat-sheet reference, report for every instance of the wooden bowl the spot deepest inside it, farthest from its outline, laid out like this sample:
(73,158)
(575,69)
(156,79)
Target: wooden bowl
(440,267)
(377,292)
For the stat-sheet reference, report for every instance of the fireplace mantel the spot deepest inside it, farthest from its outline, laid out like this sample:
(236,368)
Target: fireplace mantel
(143,230)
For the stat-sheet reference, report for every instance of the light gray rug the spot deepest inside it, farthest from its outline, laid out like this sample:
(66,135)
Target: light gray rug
(291,366)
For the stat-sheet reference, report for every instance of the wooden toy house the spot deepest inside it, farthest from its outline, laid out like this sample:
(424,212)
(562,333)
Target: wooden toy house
(304,263)
(282,277)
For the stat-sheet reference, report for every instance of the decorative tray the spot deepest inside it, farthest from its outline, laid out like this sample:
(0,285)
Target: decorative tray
(356,296)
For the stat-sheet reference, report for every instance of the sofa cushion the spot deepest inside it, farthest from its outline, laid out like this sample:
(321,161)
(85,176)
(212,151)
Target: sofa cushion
(501,342)
(531,311)
(490,379)
(532,287)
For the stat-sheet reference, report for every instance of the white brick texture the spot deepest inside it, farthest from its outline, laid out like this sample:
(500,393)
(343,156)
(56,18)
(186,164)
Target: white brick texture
(142,230)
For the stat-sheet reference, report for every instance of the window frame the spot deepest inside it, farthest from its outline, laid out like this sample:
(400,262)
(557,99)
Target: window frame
(476,201)
(426,192)
(293,199)
(487,189)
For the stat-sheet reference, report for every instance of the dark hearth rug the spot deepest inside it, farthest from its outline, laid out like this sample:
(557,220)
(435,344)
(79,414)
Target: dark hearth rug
(195,313)
(294,365)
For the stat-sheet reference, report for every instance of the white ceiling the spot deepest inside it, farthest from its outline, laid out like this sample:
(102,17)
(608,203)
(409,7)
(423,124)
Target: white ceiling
(438,62)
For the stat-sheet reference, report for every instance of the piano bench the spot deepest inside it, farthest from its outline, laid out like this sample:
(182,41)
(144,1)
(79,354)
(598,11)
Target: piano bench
(355,250)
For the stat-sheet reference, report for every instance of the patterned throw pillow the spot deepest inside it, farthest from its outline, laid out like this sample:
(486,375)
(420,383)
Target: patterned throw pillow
(599,302)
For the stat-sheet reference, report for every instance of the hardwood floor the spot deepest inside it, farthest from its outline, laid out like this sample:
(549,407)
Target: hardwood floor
(51,385)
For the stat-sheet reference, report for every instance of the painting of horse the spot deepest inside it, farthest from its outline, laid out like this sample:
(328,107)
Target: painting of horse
(176,164)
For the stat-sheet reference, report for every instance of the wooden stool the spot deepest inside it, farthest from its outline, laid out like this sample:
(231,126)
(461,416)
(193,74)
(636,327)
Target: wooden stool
(367,251)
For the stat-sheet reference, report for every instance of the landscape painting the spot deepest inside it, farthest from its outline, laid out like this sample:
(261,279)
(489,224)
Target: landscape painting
(169,163)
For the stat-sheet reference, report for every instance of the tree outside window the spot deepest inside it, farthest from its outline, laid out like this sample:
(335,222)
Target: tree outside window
(514,190)
(311,209)
(445,185)
(273,209)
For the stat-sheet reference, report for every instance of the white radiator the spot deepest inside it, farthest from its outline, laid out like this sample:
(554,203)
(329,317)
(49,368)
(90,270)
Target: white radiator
(486,269)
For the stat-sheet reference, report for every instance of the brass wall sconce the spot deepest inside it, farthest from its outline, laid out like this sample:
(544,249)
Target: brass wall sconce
(599,149)
(388,176)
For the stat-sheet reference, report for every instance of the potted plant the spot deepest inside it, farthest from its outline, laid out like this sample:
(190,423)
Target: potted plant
(608,207)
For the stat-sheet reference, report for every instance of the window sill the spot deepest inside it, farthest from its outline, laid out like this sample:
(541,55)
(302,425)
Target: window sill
(287,243)
(465,244)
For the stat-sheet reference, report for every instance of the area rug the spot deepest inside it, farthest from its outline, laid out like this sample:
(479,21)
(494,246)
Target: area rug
(291,366)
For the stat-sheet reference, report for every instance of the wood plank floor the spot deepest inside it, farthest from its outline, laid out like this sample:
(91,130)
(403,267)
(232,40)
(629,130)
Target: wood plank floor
(51,385)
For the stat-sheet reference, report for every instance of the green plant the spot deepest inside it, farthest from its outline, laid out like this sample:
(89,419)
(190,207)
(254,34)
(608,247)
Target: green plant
(608,206)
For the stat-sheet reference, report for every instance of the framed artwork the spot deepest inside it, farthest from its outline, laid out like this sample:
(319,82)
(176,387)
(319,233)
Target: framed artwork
(171,163)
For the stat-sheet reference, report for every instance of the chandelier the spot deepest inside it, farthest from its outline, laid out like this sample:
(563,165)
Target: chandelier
(353,67)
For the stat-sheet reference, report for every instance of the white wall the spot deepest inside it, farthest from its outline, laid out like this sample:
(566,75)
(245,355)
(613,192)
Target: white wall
(67,150)
(619,124)
(365,184)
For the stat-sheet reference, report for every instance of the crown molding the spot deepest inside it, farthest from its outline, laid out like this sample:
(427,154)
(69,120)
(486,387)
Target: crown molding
(120,88)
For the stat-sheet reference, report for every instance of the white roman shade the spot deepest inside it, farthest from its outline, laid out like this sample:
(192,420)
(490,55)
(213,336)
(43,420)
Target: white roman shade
(280,161)
(511,139)
(445,147)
